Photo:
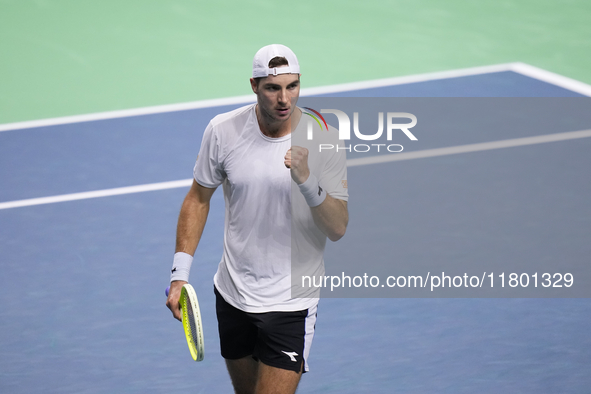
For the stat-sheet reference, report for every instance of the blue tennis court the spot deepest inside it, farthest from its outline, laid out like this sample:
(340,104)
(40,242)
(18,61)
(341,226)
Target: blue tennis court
(83,280)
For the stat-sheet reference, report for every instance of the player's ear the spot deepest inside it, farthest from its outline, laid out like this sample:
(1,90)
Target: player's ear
(254,85)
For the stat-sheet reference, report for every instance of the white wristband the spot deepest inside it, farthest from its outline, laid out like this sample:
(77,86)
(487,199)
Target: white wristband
(181,266)
(312,191)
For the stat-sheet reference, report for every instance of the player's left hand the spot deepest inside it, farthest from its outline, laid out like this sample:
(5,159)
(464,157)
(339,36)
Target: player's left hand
(296,159)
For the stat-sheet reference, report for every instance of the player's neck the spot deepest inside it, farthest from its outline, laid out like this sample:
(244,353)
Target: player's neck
(278,129)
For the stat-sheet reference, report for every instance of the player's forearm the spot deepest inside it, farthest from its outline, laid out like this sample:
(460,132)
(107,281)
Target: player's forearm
(190,225)
(331,217)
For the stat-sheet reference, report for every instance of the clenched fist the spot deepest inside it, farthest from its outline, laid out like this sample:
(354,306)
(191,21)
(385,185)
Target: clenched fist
(296,159)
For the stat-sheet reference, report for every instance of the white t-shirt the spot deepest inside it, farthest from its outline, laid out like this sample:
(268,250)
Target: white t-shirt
(261,241)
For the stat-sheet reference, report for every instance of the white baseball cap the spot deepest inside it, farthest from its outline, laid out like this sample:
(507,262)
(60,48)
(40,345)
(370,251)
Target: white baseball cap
(260,63)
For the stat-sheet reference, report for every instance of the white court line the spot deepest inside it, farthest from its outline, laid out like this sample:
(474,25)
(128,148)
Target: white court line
(378,83)
(521,68)
(552,78)
(97,193)
(252,98)
(452,150)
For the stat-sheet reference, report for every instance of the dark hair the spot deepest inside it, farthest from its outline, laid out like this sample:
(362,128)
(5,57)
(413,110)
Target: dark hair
(275,62)
(278,61)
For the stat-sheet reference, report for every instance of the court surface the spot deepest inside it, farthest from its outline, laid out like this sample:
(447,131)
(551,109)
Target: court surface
(83,280)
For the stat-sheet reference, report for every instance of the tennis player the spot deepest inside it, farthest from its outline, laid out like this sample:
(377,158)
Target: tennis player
(282,202)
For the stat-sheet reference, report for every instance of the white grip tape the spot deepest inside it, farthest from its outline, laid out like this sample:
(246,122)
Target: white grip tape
(312,191)
(181,266)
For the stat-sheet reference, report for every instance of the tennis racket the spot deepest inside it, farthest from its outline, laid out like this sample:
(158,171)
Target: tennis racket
(191,321)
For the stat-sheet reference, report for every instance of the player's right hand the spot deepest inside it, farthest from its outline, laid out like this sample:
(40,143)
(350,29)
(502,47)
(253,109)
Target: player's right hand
(296,159)
(174,294)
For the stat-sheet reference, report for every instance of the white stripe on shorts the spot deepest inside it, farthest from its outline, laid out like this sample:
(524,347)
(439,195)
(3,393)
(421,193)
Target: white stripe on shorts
(309,335)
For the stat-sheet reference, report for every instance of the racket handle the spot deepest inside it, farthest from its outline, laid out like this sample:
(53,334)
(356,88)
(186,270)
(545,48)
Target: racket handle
(167,290)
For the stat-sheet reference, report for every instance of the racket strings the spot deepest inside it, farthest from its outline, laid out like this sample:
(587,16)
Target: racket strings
(192,323)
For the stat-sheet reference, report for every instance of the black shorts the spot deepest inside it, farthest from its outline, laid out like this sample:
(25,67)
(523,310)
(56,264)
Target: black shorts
(277,339)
